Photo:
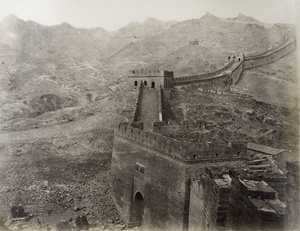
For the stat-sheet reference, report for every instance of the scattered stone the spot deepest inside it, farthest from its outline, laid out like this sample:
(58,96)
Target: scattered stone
(82,223)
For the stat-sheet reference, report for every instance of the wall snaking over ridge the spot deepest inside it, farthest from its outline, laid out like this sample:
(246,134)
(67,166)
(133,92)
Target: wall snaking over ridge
(269,56)
(231,73)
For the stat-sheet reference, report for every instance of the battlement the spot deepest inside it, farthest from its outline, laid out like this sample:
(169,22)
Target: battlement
(269,56)
(191,152)
(150,73)
(204,76)
(286,43)
(224,77)
(161,127)
(150,78)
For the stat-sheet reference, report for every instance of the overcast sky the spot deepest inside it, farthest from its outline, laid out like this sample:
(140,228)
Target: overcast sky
(113,14)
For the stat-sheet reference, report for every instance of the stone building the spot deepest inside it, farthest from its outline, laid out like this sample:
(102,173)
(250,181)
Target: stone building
(150,78)
(160,182)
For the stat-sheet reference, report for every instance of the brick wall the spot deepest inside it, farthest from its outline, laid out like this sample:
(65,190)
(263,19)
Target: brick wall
(209,201)
(253,205)
(292,210)
(269,56)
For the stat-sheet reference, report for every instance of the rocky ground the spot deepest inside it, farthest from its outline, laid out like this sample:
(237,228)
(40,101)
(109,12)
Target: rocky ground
(54,185)
(63,90)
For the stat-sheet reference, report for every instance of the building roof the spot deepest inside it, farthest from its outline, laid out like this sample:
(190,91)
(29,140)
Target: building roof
(264,149)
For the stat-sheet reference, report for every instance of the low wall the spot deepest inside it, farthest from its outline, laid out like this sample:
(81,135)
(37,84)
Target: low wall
(163,128)
(191,152)
(269,56)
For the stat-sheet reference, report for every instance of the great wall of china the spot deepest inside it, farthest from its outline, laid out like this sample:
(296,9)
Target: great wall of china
(232,72)
(166,183)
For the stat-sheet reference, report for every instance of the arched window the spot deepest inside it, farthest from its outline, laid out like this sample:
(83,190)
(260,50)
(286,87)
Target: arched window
(135,83)
(153,84)
(145,83)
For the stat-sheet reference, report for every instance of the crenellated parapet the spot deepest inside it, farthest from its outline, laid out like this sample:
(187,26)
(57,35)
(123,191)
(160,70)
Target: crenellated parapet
(225,76)
(191,152)
(150,73)
(150,78)
(269,56)
(203,76)
(231,72)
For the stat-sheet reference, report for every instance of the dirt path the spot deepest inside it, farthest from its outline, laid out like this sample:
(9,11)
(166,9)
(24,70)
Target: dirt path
(63,130)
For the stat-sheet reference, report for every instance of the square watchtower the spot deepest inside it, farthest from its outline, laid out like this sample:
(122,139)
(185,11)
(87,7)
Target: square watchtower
(150,78)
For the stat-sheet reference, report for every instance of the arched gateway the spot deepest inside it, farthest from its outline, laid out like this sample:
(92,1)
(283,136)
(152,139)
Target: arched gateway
(137,210)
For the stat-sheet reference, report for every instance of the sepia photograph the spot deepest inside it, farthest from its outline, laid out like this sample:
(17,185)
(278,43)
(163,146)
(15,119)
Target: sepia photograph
(149,115)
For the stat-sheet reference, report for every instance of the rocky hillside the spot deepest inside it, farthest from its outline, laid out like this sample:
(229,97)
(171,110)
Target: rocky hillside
(62,91)
(52,68)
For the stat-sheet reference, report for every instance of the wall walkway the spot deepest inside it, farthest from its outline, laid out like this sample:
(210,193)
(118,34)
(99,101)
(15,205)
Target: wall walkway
(232,72)
(149,106)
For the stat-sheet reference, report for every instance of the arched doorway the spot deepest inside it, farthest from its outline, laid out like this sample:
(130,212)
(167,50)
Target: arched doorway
(137,209)
(153,84)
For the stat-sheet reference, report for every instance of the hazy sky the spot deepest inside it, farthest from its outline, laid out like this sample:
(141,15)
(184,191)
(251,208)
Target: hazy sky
(113,14)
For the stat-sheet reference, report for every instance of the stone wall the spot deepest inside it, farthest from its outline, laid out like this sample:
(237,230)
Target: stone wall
(205,76)
(209,200)
(138,104)
(191,152)
(269,56)
(293,189)
(153,79)
(253,205)
(142,164)
(163,128)
(160,180)
(231,73)
(150,107)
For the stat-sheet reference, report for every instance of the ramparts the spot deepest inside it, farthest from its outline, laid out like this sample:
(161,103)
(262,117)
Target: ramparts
(163,128)
(201,77)
(270,56)
(190,152)
(149,73)
(231,73)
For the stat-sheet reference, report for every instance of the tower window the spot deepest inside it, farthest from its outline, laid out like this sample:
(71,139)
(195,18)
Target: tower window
(153,85)
(145,83)
(135,83)
(140,168)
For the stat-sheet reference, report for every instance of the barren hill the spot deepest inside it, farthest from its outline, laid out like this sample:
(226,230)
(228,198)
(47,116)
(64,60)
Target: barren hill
(63,90)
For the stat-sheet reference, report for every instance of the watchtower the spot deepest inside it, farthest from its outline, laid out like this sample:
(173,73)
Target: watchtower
(150,78)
